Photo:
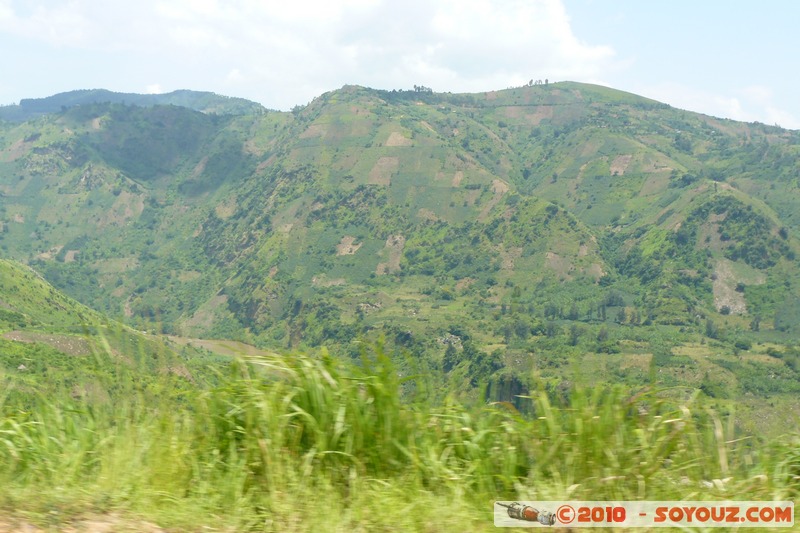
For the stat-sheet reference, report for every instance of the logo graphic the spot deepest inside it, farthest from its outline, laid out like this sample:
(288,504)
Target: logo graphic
(645,514)
(565,514)
(527,513)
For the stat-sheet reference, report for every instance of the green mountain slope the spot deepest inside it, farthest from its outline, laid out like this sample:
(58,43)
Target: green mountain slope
(52,346)
(599,282)
(487,233)
(29,301)
(205,102)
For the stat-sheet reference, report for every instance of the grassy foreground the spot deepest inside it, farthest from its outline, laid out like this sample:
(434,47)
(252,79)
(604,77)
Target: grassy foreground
(311,443)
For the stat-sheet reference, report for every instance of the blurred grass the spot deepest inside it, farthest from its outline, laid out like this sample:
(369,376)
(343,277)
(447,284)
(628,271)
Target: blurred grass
(309,442)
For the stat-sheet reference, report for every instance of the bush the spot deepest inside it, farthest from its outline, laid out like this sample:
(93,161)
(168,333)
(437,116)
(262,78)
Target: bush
(743,344)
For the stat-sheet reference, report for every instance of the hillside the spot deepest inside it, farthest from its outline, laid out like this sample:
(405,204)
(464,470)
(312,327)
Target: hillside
(30,108)
(52,346)
(109,429)
(557,291)
(30,301)
(487,234)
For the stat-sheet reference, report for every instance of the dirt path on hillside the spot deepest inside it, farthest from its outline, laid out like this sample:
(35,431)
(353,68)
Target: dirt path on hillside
(221,347)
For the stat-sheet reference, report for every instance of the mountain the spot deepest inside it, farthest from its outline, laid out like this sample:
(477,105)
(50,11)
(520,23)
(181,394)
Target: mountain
(204,102)
(28,300)
(52,346)
(487,233)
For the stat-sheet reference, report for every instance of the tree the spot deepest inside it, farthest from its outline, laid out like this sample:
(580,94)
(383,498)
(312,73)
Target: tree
(574,334)
(712,330)
(551,311)
(451,358)
(573,312)
(508,332)
(522,329)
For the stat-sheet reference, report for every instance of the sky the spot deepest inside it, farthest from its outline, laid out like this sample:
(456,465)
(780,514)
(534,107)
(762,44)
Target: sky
(727,58)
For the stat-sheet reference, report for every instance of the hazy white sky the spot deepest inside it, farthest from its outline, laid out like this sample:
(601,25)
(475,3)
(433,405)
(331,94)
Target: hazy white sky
(729,58)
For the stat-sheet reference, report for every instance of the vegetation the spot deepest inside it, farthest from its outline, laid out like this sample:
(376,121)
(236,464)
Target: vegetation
(116,427)
(282,440)
(524,246)
(200,101)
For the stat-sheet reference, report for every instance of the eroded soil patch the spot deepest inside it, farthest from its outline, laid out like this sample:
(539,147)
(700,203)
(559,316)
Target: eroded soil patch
(67,344)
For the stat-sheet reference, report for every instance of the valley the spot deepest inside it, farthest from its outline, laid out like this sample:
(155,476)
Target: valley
(564,218)
(371,295)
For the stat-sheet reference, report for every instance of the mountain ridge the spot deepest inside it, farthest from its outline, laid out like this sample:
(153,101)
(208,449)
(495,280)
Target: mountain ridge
(475,230)
(446,290)
(203,101)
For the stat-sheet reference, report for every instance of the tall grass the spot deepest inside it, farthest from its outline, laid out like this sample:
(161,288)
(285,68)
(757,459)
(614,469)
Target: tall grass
(308,442)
